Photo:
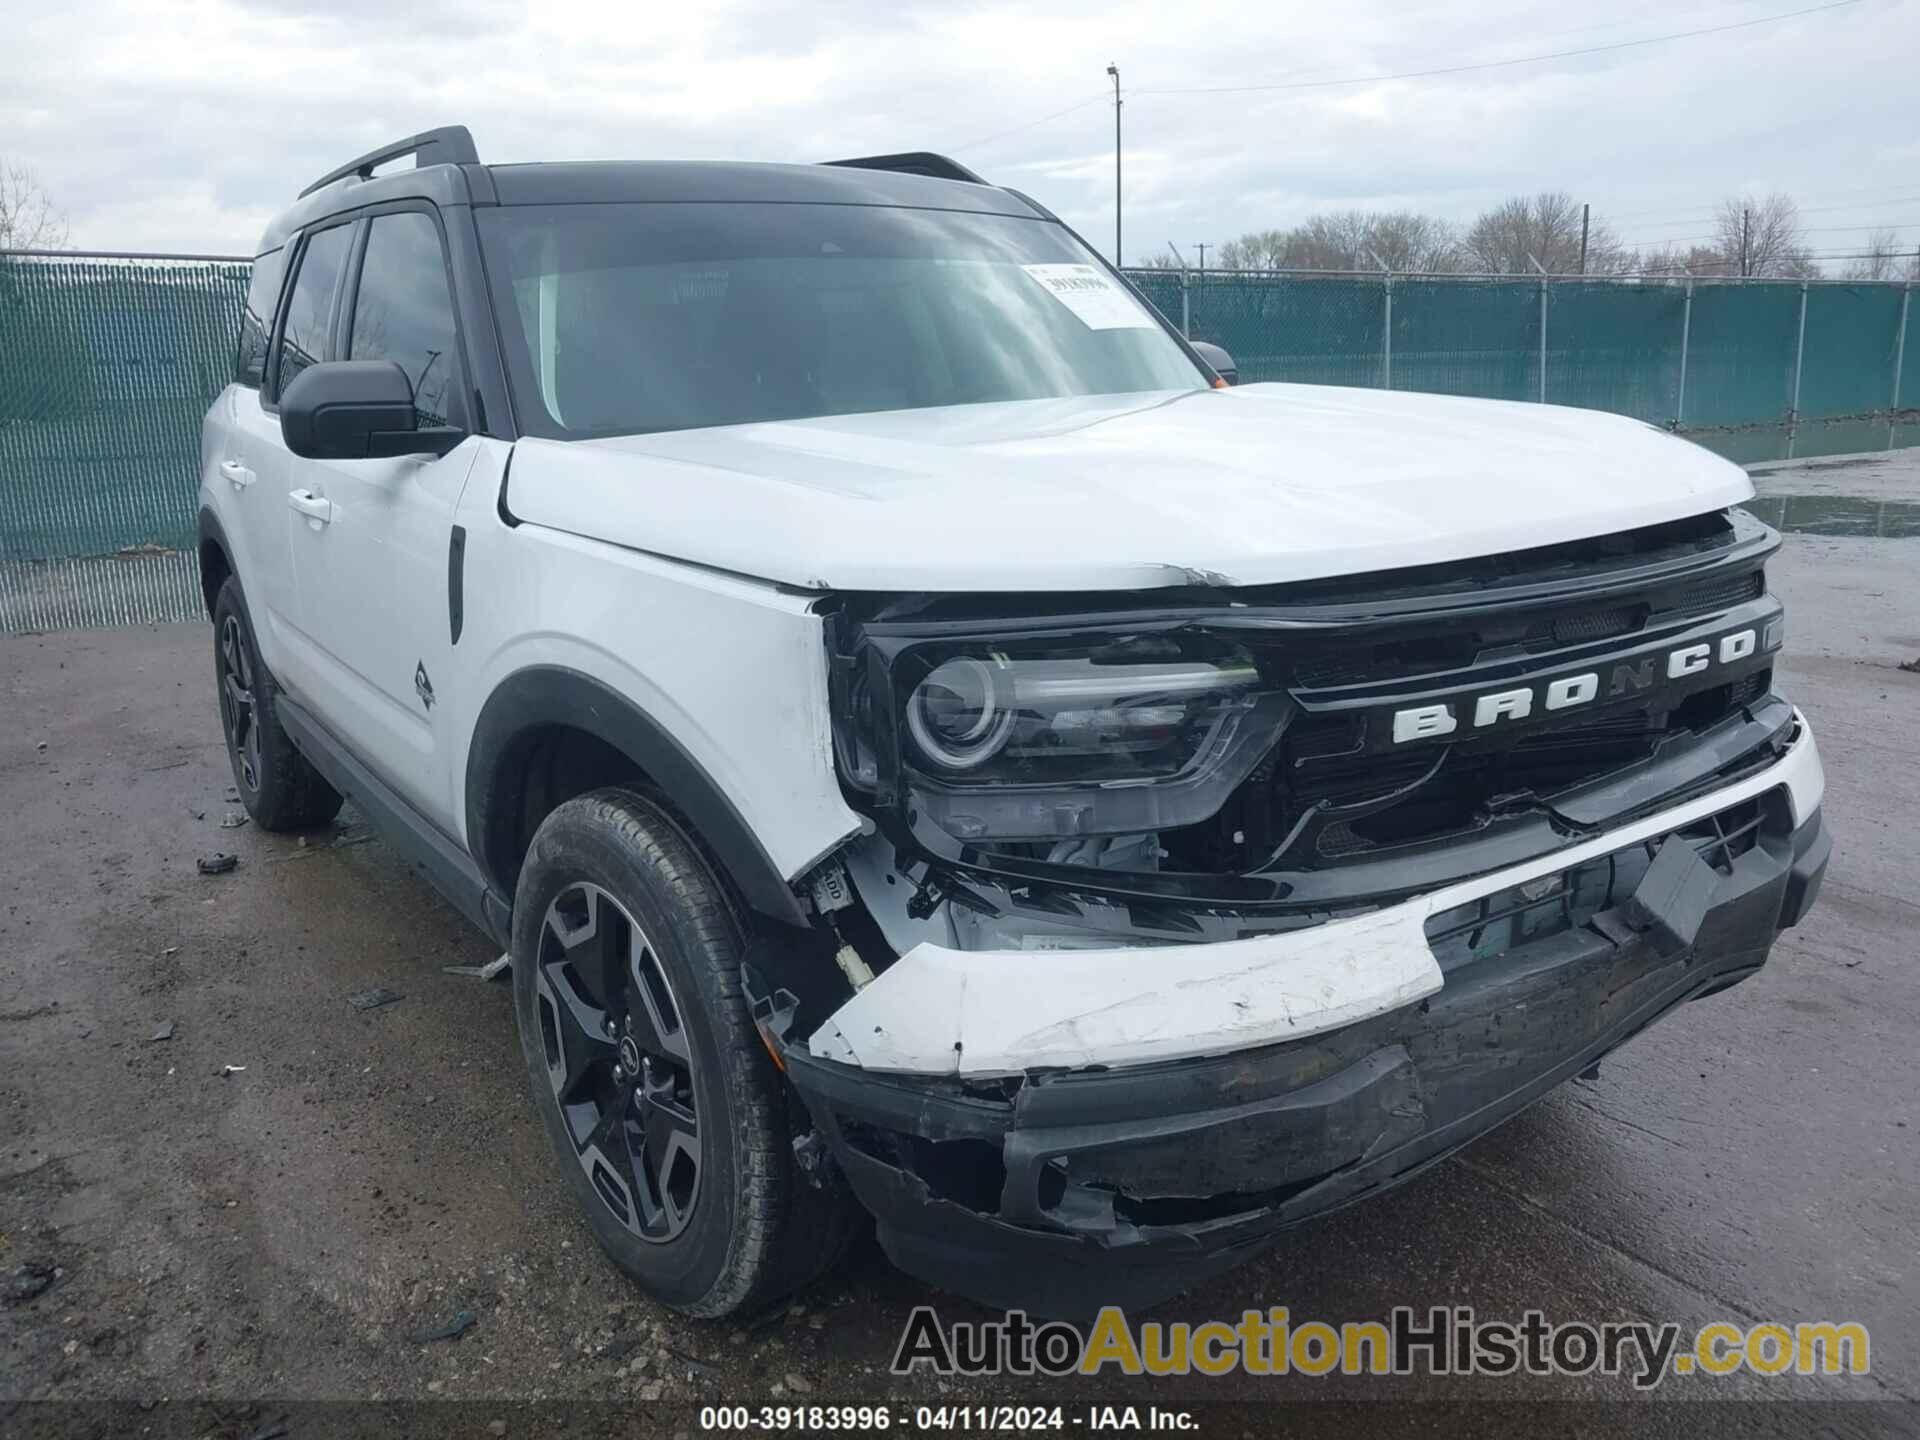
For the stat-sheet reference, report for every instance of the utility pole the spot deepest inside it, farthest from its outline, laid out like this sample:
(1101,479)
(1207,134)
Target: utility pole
(1202,245)
(1114,71)
(1586,214)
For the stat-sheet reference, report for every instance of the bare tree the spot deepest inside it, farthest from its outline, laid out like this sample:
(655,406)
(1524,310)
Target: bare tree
(1670,259)
(28,219)
(1881,258)
(1160,260)
(1763,237)
(1404,241)
(1544,227)
(1255,250)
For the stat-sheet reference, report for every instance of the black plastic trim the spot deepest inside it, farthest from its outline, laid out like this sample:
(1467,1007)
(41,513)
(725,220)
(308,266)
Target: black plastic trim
(913,162)
(456,583)
(422,844)
(446,145)
(212,532)
(544,695)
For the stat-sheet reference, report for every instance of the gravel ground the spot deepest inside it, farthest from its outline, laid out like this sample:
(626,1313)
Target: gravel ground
(251,1194)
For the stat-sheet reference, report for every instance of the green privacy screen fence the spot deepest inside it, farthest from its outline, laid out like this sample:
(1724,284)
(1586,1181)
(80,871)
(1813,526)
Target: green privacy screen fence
(1694,355)
(108,362)
(106,367)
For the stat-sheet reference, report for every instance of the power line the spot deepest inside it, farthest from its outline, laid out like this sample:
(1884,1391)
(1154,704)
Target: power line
(1500,64)
(1029,124)
(1696,216)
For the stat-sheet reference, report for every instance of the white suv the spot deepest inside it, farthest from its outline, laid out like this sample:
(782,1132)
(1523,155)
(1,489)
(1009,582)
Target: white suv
(928,746)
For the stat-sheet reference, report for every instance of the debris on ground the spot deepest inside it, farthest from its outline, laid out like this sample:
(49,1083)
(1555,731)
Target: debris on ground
(373,999)
(452,1330)
(226,1070)
(492,970)
(233,819)
(1912,667)
(163,1032)
(29,1281)
(218,863)
(799,1384)
(694,1368)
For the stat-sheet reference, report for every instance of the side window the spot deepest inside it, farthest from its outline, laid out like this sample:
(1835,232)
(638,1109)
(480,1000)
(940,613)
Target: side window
(256,321)
(303,341)
(404,310)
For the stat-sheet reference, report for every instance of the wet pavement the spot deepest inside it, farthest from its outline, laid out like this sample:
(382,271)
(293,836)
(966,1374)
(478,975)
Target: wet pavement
(280,1228)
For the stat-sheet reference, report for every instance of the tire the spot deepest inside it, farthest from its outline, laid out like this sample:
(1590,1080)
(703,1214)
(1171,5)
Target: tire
(280,789)
(619,921)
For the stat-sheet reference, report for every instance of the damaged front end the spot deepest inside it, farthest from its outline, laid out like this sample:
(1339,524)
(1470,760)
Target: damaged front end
(1183,919)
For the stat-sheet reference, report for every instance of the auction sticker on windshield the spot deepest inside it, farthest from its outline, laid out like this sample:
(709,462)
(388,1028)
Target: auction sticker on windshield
(1096,300)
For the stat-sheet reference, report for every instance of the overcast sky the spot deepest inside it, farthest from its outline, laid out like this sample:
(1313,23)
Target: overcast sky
(161,126)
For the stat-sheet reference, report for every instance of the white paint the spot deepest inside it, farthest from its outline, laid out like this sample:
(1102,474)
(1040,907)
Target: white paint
(943,1011)
(1737,647)
(676,642)
(1421,721)
(1688,660)
(1259,484)
(1572,690)
(1503,705)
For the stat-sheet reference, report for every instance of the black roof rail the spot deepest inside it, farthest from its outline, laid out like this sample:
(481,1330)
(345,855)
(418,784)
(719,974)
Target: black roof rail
(448,145)
(914,162)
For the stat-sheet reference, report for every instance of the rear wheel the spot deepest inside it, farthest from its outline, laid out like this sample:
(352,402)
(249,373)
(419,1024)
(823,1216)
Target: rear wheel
(280,789)
(669,1120)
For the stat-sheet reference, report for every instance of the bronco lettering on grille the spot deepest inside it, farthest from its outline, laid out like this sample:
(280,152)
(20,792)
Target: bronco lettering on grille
(1564,692)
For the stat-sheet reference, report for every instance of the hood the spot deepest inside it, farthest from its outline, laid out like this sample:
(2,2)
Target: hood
(1249,486)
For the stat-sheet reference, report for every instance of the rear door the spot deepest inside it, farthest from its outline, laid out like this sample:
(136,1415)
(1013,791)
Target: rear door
(254,475)
(372,566)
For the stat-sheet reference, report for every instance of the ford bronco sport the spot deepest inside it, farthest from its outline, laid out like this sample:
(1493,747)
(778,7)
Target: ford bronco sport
(928,747)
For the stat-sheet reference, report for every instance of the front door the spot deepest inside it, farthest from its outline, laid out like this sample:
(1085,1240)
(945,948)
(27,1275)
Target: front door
(371,538)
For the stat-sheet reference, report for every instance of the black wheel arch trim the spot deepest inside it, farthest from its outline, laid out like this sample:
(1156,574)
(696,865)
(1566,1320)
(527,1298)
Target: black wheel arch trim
(213,533)
(547,695)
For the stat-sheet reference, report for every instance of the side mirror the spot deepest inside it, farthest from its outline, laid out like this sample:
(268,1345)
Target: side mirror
(1218,359)
(358,410)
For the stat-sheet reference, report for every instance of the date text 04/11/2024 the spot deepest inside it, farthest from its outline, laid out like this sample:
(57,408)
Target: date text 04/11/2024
(871,1418)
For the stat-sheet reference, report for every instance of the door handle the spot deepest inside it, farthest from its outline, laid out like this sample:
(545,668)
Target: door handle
(316,508)
(239,474)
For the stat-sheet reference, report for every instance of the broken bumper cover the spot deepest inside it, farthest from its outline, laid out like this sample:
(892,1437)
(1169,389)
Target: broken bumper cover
(1120,1161)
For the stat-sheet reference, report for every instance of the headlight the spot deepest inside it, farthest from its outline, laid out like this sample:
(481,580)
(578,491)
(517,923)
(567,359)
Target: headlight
(1102,737)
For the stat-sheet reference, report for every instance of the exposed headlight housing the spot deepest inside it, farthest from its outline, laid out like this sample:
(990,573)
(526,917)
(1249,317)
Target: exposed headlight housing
(1038,741)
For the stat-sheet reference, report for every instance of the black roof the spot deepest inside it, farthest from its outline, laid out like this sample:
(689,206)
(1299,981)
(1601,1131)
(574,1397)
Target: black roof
(915,180)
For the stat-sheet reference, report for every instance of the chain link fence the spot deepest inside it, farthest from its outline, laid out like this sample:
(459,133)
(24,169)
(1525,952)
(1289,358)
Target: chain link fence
(108,362)
(1691,354)
(106,366)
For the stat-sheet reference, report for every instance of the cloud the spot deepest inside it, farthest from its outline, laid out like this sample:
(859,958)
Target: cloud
(184,126)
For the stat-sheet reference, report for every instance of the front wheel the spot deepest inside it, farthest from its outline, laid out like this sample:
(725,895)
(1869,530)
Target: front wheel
(668,1118)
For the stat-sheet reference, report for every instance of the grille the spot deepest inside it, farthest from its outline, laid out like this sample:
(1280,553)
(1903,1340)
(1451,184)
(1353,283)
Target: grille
(1449,793)
(1403,658)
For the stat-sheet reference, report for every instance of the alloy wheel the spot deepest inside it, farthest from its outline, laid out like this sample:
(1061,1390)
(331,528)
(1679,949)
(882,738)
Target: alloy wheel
(620,1061)
(237,703)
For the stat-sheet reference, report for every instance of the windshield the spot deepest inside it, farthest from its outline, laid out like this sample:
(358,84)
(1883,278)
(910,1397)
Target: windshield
(626,318)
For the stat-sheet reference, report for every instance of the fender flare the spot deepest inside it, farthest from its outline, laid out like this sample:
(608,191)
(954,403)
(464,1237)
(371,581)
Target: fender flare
(211,531)
(543,695)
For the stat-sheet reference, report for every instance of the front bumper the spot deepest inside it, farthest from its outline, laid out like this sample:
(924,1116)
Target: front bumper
(1106,1182)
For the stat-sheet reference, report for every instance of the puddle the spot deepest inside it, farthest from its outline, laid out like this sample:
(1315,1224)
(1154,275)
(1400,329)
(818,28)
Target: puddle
(1839,515)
